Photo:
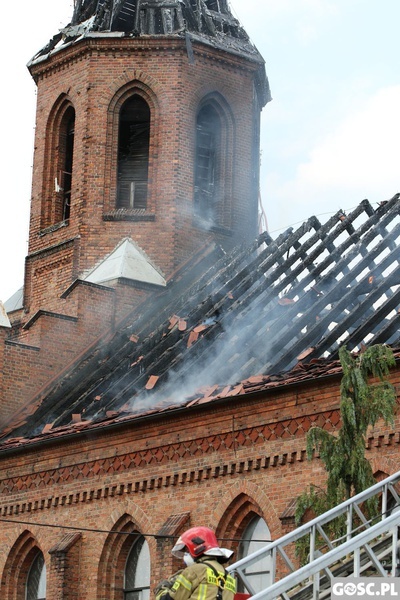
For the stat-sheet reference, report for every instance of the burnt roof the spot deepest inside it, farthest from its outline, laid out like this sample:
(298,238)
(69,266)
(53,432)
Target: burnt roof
(161,17)
(206,21)
(270,313)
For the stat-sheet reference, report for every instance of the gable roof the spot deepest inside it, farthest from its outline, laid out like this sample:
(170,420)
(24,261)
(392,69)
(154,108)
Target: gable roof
(126,261)
(16,301)
(270,313)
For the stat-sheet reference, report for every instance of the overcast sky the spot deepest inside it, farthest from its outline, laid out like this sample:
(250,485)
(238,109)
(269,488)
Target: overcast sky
(330,136)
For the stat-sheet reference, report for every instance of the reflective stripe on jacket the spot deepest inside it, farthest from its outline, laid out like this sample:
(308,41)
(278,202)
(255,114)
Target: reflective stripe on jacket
(199,582)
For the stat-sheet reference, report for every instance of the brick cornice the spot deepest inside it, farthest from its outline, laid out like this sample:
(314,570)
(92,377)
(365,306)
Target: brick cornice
(176,453)
(26,492)
(49,250)
(172,479)
(57,60)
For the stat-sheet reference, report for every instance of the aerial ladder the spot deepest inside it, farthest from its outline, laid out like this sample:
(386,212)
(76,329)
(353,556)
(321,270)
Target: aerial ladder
(367,548)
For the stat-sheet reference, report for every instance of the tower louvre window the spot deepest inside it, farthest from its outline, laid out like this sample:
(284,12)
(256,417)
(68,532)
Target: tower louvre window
(61,208)
(133,153)
(207,165)
(67,135)
(58,170)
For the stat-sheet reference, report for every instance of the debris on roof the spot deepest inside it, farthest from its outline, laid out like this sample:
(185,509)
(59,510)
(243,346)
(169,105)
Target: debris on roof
(343,284)
(151,382)
(182,325)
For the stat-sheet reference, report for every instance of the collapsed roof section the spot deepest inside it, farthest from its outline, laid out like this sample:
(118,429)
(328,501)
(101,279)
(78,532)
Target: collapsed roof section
(228,323)
(207,21)
(160,17)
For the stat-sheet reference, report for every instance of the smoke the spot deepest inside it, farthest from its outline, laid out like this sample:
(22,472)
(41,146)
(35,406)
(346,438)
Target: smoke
(306,293)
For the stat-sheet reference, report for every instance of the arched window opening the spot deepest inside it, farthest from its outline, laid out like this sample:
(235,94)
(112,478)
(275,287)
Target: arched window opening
(65,160)
(256,536)
(36,580)
(207,165)
(137,572)
(133,153)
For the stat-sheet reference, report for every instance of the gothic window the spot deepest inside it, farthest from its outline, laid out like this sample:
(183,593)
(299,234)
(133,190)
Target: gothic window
(256,536)
(36,581)
(124,567)
(133,153)
(208,164)
(137,572)
(63,180)
(57,172)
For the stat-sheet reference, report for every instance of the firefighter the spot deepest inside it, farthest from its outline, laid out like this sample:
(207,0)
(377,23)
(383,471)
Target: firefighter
(204,577)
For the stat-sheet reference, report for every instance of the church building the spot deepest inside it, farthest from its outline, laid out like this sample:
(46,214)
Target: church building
(164,360)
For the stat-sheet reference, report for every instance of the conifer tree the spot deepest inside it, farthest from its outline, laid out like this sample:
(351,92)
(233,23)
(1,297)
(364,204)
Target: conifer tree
(362,404)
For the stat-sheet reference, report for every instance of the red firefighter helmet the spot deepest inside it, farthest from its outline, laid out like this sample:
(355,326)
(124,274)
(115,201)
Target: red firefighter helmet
(198,541)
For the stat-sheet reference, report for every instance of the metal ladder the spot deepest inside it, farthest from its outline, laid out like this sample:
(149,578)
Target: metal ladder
(367,548)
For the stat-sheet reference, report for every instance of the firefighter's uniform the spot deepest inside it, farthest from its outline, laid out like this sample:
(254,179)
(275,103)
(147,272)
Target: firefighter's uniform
(206,579)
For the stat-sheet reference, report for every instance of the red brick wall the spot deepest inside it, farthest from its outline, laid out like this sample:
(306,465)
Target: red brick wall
(51,341)
(92,76)
(237,459)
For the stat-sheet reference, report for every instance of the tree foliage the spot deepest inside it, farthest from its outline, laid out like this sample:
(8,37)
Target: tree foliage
(362,404)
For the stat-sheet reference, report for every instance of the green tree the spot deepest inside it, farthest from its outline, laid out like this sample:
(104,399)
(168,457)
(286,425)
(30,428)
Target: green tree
(362,404)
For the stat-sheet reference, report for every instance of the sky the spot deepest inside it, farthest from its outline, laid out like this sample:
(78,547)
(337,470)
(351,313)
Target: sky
(330,137)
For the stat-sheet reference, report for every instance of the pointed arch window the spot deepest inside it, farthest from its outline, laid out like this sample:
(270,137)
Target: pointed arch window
(208,164)
(137,571)
(133,153)
(36,580)
(255,536)
(63,180)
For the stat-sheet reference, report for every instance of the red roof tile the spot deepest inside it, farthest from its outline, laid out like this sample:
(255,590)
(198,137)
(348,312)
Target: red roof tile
(151,382)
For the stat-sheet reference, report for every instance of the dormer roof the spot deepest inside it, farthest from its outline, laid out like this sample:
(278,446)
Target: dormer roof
(128,262)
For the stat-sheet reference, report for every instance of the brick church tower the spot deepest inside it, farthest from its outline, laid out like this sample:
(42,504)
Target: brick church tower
(146,154)
(147,144)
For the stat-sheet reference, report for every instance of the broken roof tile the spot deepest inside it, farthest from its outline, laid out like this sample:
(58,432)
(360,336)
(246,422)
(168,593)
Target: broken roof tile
(137,361)
(151,382)
(238,389)
(47,427)
(193,402)
(210,391)
(173,321)
(111,414)
(182,325)
(305,353)
(193,337)
(225,391)
(254,379)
